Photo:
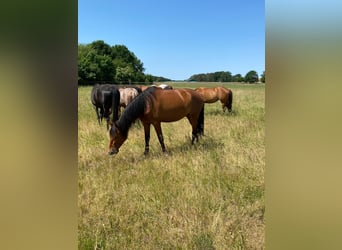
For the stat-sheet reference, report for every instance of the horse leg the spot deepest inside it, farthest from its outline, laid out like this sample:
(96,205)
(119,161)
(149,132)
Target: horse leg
(159,132)
(223,107)
(101,114)
(147,137)
(97,113)
(108,120)
(193,123)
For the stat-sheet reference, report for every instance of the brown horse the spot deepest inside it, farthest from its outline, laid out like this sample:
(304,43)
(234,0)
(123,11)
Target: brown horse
(212,95)
(154,106)
(143,87)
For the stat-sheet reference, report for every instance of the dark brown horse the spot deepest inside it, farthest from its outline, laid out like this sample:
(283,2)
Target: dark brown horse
(212,95)
(106,100)
(154,106)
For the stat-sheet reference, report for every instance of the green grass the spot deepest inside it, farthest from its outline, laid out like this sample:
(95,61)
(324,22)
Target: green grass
(206,196)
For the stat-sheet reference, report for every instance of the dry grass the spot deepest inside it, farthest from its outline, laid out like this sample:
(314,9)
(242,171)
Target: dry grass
(206,196)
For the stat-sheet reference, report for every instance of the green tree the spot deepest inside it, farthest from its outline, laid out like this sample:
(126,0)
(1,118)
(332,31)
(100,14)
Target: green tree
(101,47)
(224,76)
(148,78)
(251,77)
(238,78)
(98,61)
(219,76)
(122,57)
(124,75)
(83,63)
(94,64)
(262,77)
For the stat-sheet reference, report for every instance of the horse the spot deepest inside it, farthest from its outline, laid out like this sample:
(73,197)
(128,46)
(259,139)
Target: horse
(136,87)
(163,86)
(154,106)
(127,95)
(143,87)
(106,100)
(212,95)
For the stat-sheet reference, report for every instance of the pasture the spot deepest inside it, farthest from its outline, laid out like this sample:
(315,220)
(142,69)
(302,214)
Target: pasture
(209,195)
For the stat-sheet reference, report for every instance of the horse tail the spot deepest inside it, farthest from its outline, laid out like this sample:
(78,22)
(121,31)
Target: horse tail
(230,101)
(103,103)
(95,100)
(200,122)
(115,104)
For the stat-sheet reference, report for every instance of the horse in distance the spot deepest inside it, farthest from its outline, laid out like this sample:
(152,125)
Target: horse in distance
(106,100)
(154,106)
(127,95)
(212,95)
(162,86)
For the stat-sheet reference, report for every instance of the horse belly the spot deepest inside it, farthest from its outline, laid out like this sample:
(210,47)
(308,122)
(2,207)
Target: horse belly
(172,114)
(172,105)
(210,99)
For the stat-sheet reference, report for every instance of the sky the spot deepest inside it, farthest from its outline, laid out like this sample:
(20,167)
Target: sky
(179,38)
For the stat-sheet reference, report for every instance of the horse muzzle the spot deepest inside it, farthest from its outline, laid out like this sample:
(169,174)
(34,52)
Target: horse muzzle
(114,151)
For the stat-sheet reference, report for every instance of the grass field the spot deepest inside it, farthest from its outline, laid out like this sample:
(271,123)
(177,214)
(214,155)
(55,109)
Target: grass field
(206,196)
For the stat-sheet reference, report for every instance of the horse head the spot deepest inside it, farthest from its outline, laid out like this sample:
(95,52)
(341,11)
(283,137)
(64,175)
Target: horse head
(116,138)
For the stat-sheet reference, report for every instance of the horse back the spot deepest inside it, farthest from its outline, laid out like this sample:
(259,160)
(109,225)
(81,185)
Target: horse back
(127,95)
(172,105)
(209,94)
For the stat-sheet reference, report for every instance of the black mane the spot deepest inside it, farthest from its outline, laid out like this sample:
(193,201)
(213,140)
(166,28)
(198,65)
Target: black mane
(134,110)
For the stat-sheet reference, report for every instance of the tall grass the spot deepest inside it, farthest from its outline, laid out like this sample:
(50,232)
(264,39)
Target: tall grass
(204,196)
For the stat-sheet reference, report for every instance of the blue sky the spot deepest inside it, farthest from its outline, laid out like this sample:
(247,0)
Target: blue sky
(179,38)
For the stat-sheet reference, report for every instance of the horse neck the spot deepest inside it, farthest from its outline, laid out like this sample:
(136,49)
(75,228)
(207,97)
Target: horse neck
(132,112)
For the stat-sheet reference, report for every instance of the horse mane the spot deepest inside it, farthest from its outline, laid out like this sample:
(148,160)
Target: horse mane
(134,110)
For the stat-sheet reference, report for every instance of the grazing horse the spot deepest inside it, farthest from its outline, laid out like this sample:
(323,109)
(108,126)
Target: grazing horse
(154,106)
(143,87)
(212,95)
(106,100)
(127,95)
(163,86)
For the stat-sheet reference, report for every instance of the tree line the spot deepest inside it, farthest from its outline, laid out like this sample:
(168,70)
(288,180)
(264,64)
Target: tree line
(100,62)
(226,76)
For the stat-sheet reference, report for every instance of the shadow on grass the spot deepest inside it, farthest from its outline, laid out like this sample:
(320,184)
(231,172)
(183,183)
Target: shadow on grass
(234,112)
(204,144)
(203,241)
